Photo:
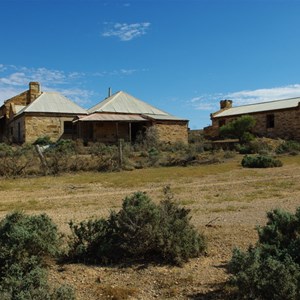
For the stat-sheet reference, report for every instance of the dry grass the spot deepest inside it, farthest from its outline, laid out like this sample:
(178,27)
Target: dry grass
(231,199)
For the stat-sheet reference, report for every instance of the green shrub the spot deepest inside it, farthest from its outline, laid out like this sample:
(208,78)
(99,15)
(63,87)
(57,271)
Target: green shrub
(271,268)
(256,146)
(24,282)
(23,238)
(26,242)
(260,161)
(64,292)
(141,230)
(239,128)
(292,147)
(43,141)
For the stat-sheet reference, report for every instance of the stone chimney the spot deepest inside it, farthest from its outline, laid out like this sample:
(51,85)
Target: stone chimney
(225,104)
(34,91)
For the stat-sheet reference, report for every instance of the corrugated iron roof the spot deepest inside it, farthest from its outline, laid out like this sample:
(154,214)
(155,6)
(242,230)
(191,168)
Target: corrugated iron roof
(259,107)
(52,102)
(111,118)
(164,117)
(122,102)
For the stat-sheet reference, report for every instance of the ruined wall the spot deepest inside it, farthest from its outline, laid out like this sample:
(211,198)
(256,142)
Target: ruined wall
(24,98)
(40,126)
(172,132)
(20,99)
(286,124)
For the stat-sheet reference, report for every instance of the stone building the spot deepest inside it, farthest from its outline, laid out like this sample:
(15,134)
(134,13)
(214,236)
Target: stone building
(122,116)
(34,114)
(274,119)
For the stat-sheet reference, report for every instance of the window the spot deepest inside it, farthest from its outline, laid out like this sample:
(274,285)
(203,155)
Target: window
(68,127)
(270,121)
(221,123)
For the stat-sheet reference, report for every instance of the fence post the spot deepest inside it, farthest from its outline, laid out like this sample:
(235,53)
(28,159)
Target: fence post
(120,151)
(42,158)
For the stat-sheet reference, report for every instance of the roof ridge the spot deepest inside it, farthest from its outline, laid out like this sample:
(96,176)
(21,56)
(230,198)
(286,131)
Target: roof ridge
(258,103)
(110,100)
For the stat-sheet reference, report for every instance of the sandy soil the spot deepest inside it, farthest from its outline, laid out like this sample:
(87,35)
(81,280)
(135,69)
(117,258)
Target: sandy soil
(226,207)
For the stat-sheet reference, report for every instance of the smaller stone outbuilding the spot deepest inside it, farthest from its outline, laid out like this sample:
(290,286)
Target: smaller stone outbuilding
(122,116)
(33,114)
(274,119)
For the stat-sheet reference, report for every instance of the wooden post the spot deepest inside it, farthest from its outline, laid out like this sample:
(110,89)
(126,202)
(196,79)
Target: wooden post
(130,138)
(42,158)
(117,131)
(120,150)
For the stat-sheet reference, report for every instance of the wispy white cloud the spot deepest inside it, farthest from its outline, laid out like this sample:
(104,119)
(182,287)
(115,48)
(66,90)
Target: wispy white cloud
(264,95)
(116,72)
(80,96)
(8,92)
(126,32)
(14,80)
(19,76)
(211,101)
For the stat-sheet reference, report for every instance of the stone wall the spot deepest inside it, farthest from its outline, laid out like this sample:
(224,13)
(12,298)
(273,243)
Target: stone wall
(20,99)
(171,132)
(40,126)
(110,132)
(286,124)
(17,131)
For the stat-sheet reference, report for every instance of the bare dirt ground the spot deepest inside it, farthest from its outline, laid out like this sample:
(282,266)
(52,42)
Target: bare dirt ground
(226,206)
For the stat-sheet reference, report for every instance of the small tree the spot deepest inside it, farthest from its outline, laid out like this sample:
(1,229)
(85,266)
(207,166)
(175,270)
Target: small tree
(240,128)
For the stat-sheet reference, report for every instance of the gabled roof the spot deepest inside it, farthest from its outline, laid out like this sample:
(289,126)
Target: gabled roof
(52,102)
(259,107)
(110,117)
(122,102)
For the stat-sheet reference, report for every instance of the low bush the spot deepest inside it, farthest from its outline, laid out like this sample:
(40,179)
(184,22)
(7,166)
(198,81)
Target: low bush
(43,141)
(271,268)
(26,243)
(260,161)
(141,230)
(16,160)
(291,147)
(59,156)
(26,238)
(256,146)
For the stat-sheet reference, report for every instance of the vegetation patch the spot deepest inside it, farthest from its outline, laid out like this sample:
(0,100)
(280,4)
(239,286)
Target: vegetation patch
(141,230)
(260,161)
(271,268)
(26,242)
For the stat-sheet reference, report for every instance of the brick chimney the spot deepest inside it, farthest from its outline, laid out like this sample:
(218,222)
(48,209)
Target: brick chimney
(225,104)
(34,91)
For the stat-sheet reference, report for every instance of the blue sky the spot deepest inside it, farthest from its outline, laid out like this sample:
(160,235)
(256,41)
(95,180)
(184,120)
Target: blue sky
(181,56)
